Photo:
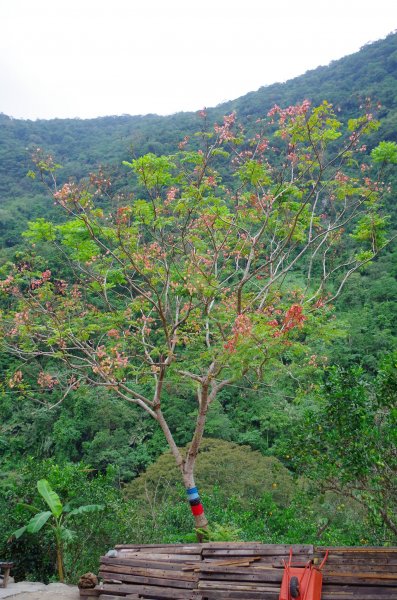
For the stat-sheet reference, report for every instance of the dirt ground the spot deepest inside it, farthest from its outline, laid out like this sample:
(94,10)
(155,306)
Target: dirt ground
(36,591)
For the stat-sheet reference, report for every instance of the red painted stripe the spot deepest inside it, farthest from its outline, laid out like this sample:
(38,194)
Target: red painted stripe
(197,510)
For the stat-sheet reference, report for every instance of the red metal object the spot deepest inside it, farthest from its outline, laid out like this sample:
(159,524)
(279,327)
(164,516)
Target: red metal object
(302,581)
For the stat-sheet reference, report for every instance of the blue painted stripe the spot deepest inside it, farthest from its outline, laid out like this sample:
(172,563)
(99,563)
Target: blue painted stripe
(192,490)
(193,496)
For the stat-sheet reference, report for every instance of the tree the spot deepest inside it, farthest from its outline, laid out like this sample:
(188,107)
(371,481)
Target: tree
(347,441)
(210,273)
(233,469)
(57,517)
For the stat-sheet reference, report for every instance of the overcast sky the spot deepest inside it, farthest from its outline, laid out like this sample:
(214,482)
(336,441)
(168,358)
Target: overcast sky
(88,58)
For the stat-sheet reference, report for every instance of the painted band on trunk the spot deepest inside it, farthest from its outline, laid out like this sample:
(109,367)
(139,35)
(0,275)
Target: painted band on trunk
(197,510)
(194,501)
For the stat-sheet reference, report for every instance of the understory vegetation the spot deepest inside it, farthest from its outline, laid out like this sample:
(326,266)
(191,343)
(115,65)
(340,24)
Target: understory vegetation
(304,515)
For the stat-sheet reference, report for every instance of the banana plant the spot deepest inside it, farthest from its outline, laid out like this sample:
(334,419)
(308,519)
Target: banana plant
(57,518)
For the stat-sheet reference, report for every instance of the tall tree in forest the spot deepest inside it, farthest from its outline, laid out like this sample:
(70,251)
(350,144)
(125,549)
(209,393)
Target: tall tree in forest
(346,442)
(209,273)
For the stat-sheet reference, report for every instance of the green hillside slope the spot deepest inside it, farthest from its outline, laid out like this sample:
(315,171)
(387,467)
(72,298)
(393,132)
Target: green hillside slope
(81,145)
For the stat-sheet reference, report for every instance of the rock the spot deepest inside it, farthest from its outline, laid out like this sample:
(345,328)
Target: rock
(87,581)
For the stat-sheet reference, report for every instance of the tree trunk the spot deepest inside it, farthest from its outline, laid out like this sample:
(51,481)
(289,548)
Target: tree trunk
(60,562)
(200,520)
(187,466)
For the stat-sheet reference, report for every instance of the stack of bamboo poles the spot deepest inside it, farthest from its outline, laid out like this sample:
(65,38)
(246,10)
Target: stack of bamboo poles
(245,571)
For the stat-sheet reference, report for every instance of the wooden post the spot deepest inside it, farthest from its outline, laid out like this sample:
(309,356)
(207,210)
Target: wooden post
(5,568)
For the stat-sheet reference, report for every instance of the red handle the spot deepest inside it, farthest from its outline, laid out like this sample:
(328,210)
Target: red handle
(324,560)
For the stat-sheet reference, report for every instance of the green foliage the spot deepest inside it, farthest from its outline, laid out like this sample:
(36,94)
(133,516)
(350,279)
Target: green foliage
(371,229)
(385,152)
(40,231)
(176,288)
(82,145)
(254,172)
(310,517)
(220,533)
(368,308)
(34,555)
(346,442)
(153,171)
(60,516)
(51,498)
(34,525)
(235,470)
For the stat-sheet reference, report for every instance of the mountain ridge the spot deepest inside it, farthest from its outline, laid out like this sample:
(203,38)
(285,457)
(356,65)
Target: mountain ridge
(81,145)
(371,45)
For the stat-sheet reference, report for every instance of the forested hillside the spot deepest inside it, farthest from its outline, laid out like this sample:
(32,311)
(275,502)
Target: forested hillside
(311,428)
(80,146)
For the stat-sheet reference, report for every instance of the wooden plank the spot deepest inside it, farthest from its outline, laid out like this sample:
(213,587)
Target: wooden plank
(144,546)
(342,562)
(218,595)
(264,561)
(366,590)
(188,549)
(131,562)
(240,563)
(361,567)
(359,557)
(254,568)
(356,595)
(223,563)
(376,556)
(149,591)
(235,545)
(242,545)
(240,594)
(269,561)
(91,593)
(276,576)
(161,573)
(236,585)
(263,550)
(356,549)
(144,580)
(159,556)
(254,575)
(362,575)
(107,597)
(351,592)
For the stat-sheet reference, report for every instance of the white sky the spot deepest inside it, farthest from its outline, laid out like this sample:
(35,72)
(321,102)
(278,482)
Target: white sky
(88,58)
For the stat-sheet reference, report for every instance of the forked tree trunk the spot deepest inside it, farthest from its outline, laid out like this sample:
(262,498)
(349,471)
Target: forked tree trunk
(186,467)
